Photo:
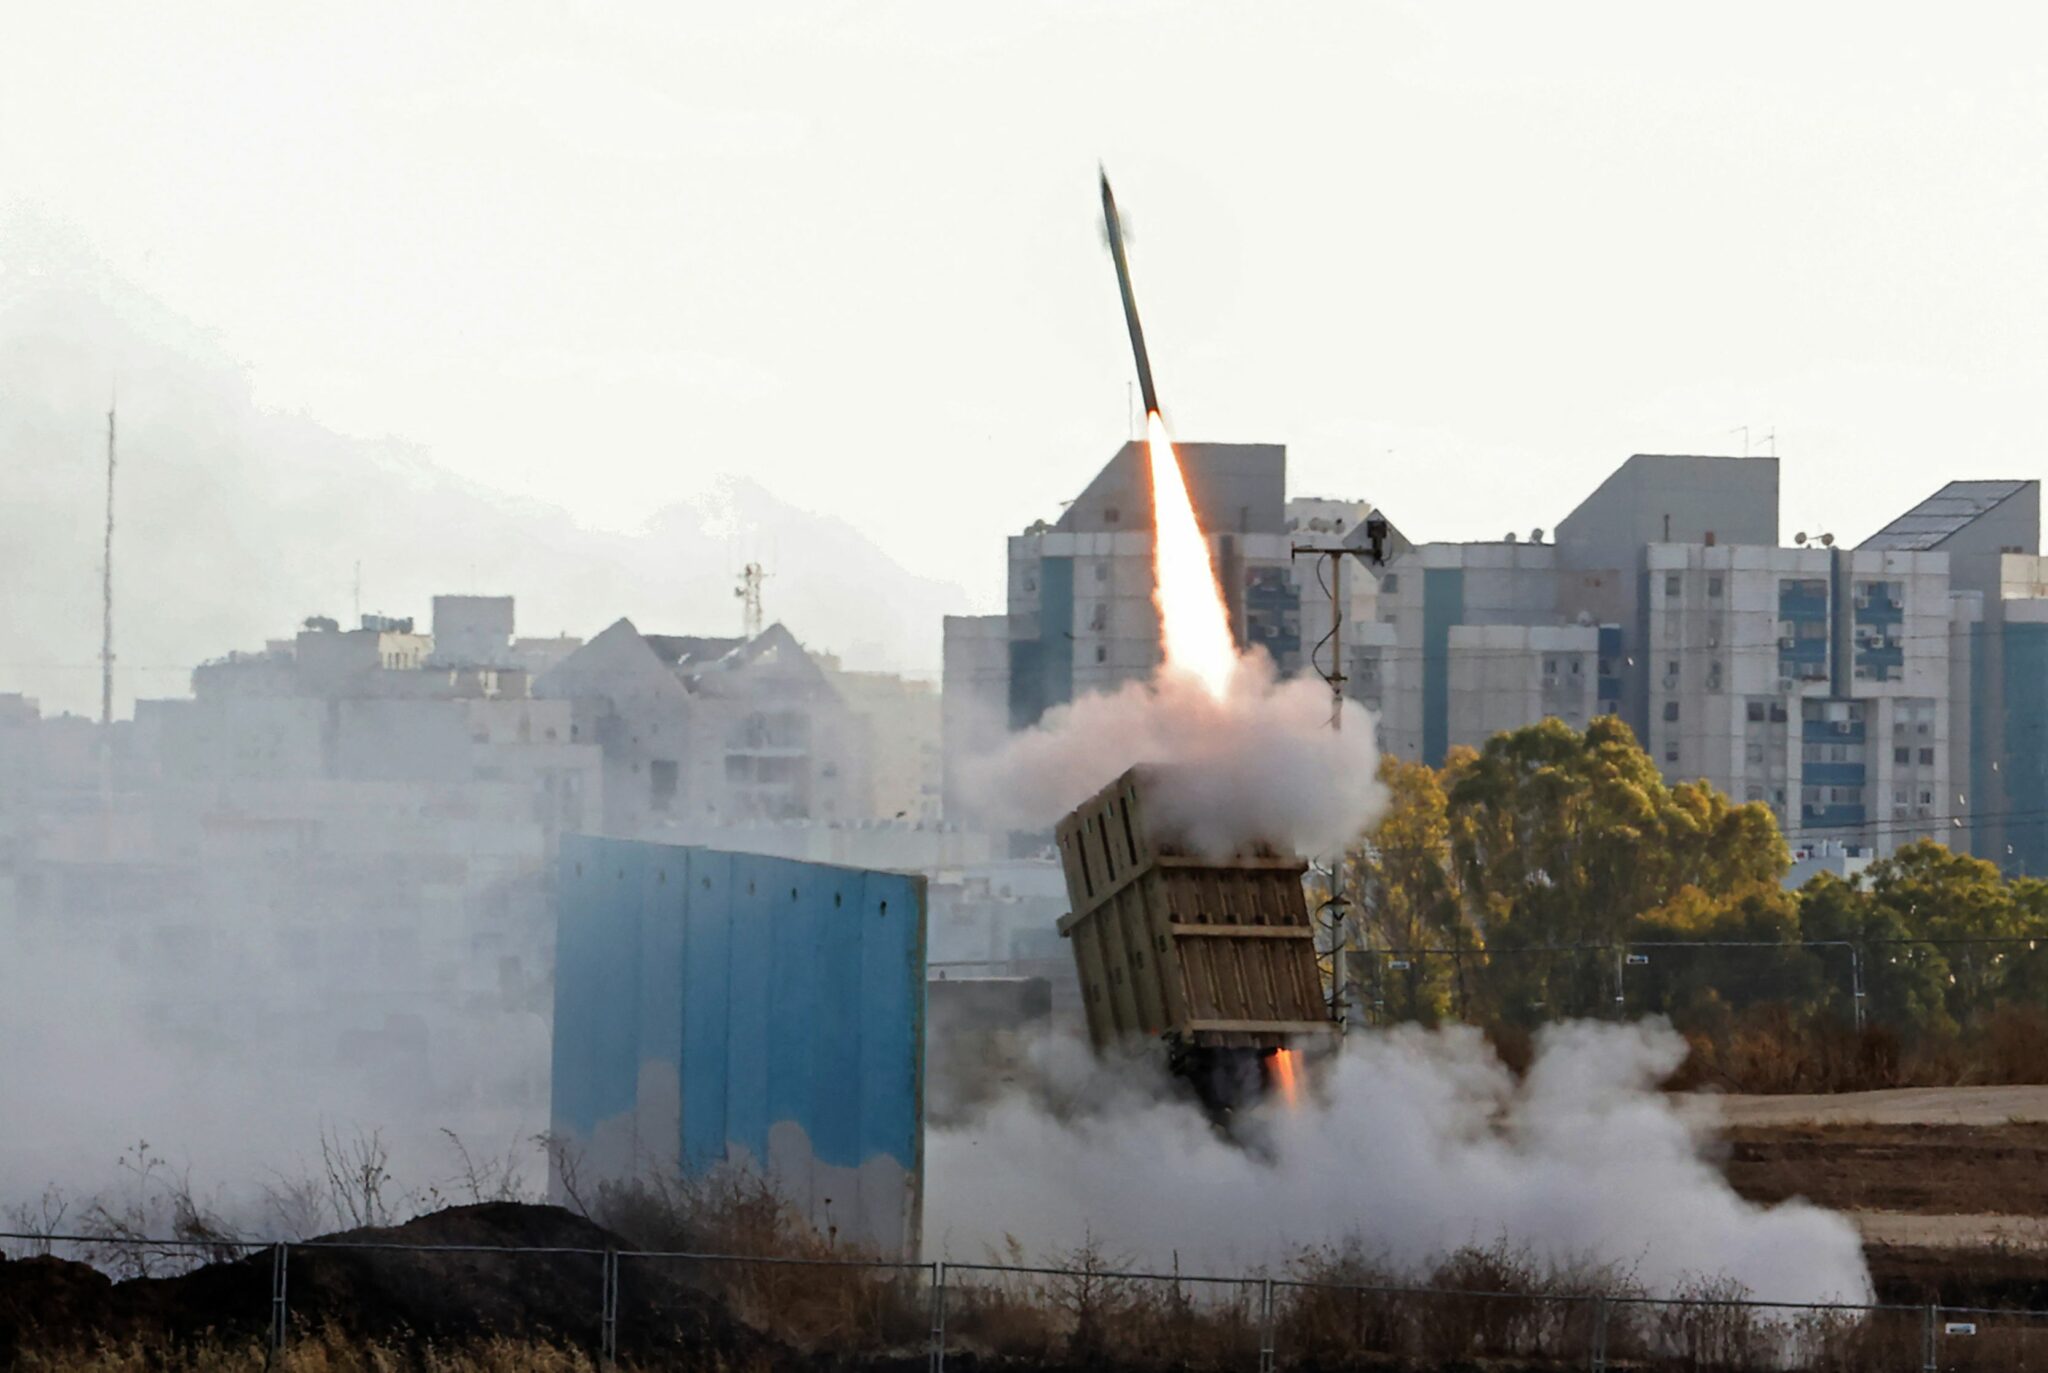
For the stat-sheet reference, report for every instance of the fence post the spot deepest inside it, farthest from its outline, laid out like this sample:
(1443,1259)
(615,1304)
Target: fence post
(1599,1338)
(938,1359)
(608,1317)
(279,1260)
(1928,1362)
(1266,1325)
(1856,983)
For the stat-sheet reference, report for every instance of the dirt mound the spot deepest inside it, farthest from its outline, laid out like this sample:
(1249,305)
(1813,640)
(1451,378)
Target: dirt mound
(1918,1169)
(387,1293)
(1984,1277)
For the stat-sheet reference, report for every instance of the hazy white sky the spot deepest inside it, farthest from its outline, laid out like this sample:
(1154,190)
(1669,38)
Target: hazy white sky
(1461,259)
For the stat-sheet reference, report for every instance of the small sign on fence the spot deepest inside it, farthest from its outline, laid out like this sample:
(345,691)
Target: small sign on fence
(1959,1328)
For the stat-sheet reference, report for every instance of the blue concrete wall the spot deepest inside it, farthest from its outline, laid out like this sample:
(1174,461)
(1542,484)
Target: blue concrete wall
(716,1009)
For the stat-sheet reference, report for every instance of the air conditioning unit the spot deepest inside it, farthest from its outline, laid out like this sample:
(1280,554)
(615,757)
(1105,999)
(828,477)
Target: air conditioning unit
(1670,681)
(1786,684)
(1897,602)
(1788,642)
(1843,727)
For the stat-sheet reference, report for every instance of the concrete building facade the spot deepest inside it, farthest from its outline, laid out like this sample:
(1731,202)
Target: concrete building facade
(1866,695)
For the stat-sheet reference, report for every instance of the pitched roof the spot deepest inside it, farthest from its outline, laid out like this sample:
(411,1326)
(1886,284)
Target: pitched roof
(1943,515)
(687,651)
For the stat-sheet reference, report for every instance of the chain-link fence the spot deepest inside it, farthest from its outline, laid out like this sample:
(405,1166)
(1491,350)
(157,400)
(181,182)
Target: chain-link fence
(634,1308)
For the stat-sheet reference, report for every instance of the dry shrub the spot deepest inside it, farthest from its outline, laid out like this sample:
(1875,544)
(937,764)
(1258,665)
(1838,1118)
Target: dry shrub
(328,1351)
(1477,1305)
(1175,1323)
(1012,1314)
(838,1299)
(1707,1326)
(2015,1047)
(1513,1045)
(1333,1312)
(1092,1314)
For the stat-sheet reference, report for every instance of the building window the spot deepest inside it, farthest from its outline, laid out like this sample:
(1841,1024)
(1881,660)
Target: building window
(1778,712)
(1756,712)
(1101,653)
(1926,798)
(1390,584)
(1671,754)
(1576,665)
(661,784)
(1713,586)
(1672,582)
(1112,515)
(1550,667)
(1102,571)
(1671,710)
(1927,756)
(1902,757)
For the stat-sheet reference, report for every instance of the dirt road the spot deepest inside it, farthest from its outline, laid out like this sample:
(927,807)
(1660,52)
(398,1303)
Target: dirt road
(1983,1106)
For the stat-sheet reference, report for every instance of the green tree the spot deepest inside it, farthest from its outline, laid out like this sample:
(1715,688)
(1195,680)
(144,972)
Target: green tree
(1562,840)
(1905,983)
(1965,911)
(1409,896)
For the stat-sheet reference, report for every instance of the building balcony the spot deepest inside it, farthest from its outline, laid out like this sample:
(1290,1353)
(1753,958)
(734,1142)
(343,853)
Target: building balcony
(1832,774)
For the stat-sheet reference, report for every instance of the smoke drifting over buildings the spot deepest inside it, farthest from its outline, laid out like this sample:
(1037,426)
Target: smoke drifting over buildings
(1260,765)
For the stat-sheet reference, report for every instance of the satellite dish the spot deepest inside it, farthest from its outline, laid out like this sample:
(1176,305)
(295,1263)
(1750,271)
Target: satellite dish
(1799,539)
(1827,540)
(1535,536)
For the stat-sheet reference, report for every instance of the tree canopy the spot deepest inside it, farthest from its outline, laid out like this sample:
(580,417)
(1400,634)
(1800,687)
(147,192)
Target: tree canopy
(1555,872)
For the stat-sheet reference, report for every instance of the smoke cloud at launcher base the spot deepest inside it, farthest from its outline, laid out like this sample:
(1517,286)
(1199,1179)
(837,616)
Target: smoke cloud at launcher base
(1259,763)
(1414,1143)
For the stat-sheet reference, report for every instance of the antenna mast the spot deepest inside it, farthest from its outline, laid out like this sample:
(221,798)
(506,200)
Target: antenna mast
(107,595)
(749,592)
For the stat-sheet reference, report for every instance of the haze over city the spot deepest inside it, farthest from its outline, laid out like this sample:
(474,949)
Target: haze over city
(1461,261)
(1319,687)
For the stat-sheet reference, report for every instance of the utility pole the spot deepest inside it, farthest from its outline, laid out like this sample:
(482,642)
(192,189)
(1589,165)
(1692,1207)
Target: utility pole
(106,740)
(1375,552)
(107,594)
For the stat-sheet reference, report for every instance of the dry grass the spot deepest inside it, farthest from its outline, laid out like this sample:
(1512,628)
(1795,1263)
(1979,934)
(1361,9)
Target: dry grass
(833,1302)
(326,1352)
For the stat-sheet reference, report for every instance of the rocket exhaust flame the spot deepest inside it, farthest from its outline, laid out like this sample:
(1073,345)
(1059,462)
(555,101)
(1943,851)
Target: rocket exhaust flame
(1284,1077)
(1193,623)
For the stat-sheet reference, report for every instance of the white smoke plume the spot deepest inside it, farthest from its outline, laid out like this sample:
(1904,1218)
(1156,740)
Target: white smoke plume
(1413,1144)
(1260,765)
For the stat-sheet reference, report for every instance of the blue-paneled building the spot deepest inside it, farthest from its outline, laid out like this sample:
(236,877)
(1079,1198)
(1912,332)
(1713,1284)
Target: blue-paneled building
(727,1010)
